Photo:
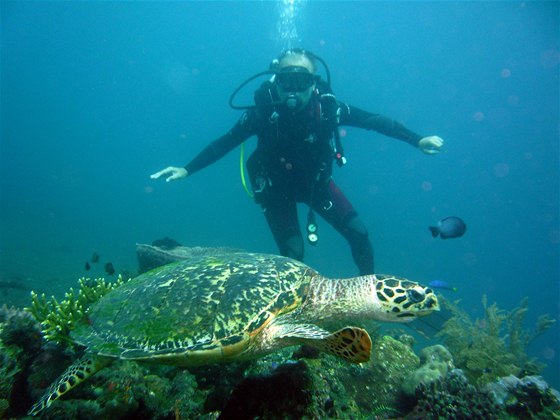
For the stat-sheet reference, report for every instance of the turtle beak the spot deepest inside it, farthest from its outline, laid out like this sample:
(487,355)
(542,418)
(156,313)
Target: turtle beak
(430,305)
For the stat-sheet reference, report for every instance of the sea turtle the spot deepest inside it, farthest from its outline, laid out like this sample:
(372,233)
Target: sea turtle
(234,306)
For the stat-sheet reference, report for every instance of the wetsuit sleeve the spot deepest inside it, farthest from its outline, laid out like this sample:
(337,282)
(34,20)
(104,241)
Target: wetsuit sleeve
(216,150)
(356,117)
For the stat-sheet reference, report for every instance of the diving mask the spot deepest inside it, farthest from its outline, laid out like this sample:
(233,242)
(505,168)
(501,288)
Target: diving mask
(295,79)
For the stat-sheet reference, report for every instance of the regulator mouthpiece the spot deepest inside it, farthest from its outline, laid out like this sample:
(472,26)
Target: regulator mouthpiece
(293,101)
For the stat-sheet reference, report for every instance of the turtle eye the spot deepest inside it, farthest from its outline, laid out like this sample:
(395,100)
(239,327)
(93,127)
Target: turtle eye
(415,296)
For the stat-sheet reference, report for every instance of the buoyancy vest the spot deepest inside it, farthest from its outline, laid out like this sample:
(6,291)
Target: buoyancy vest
(295,150)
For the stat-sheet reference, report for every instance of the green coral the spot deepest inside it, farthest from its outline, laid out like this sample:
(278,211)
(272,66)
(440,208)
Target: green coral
(375,385)
(425,374)
(492,347)
(437,353)
(520,338)
(59,318)
(437,362)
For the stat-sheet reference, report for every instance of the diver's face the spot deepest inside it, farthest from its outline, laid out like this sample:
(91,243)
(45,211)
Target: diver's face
(295,81)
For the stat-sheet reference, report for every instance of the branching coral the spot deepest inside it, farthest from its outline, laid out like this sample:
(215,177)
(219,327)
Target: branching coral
(518,338)
(494,346)
(59,318)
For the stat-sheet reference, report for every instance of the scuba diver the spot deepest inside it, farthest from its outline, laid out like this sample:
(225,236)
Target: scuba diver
(296,118)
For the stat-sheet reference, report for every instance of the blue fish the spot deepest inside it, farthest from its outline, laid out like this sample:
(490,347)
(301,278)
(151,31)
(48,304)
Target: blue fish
(449,227)
(441,284)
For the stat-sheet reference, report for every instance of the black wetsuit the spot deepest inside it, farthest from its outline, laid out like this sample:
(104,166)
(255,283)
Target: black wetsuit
(293,163)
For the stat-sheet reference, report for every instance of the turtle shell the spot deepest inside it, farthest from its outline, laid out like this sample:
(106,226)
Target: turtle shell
(212,303)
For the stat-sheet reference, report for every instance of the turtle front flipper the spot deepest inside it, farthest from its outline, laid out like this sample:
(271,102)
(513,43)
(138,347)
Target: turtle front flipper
(352,344)
(77,373)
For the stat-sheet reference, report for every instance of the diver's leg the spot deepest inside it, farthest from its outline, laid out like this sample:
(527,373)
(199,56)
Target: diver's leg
(340,213)
(281,215)
(362,250)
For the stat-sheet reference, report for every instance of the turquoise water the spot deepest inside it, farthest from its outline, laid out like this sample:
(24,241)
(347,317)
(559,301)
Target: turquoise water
(97,96)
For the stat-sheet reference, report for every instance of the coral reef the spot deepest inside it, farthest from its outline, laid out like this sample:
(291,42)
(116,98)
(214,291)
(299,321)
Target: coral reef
(452,397)
(437,353)
(300,384)
(437,362)
(59,318)
(303,384)
(19,329)
(375,385)
(285,391)
(132,390)
(493,347)
(288,384)
(20,341)
(529,397)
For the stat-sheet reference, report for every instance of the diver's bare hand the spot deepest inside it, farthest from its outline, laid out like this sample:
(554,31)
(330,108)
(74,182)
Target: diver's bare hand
(430,145)
(173,172)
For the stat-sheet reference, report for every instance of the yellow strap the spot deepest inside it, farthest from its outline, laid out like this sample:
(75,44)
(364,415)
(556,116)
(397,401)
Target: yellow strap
(242,170)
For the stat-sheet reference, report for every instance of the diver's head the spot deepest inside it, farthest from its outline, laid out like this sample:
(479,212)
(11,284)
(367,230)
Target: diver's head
(295,77)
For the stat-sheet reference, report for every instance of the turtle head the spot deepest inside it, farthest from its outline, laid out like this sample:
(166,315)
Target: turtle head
(402,300)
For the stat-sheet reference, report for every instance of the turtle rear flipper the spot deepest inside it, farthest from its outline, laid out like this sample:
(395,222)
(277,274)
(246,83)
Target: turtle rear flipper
(77,373)
(352,344)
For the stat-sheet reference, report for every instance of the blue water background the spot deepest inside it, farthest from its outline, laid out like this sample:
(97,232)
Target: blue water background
(96,96)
